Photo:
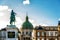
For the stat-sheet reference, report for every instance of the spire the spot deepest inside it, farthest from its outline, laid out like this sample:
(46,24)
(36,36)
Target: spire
(26,16)
(58,22)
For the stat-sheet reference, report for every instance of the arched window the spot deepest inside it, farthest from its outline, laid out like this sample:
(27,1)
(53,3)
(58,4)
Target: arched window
(38,33)
(42,33)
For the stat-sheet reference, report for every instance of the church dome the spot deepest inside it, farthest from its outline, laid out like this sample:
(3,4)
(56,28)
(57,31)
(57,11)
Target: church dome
(27,24)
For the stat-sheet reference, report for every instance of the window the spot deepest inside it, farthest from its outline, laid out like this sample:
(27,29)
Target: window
(3,34)
(42,33)
(30,33)
(51,33)
(47,39)
(47,33)
(38,38)
(11,34)
(26,38)
(38,33)
(42,38)
(26,33)
(56,33)
(22,32)
(55,38)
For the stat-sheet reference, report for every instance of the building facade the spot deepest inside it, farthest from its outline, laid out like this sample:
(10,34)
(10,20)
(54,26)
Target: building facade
(26,30)
(47,32)
(9,33)
(40,32)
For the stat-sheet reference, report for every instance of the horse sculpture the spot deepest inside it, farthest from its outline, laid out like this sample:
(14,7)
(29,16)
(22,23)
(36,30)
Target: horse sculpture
(12,17)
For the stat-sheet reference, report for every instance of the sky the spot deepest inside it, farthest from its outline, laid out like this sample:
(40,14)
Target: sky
(40,12)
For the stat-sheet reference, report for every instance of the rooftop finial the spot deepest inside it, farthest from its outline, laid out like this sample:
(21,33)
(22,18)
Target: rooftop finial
(58,22)
(26,16)
(26,13)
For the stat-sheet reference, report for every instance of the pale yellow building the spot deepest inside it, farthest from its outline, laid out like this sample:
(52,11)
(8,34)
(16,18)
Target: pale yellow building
(47,32)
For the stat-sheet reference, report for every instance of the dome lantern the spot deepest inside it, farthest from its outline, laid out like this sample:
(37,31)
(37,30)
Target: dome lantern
(27,18)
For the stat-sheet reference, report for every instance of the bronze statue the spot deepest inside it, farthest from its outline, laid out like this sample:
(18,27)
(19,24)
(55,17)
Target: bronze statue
(12,17)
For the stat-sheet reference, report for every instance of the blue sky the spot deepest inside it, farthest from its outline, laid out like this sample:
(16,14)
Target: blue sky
(41,11)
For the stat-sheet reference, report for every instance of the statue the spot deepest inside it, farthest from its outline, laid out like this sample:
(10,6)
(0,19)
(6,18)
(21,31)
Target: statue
(12,17)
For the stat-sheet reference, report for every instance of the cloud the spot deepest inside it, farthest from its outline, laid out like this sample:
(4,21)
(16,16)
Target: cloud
(19,22)
(59,19)
(1,14)
(4,16)
(3,8)
(26,2)
(44,25)
(33,22)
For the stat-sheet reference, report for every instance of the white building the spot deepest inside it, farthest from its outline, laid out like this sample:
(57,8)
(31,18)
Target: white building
(9,33)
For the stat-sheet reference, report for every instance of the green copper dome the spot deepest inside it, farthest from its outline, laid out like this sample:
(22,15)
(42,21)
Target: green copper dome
(27,24)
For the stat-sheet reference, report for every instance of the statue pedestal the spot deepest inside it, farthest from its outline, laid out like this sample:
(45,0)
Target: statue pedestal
(9,33)
(11,26)
(12,32)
